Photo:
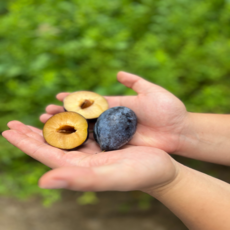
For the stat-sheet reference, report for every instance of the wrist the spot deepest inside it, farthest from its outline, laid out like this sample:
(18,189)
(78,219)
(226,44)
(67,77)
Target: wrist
(168,184)
(205,137)
(189,138)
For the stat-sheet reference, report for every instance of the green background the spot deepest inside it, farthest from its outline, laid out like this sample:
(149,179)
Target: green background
(49,46)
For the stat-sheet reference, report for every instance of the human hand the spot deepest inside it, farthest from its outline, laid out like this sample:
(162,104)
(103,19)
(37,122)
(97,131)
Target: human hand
(162,117)
(130,168)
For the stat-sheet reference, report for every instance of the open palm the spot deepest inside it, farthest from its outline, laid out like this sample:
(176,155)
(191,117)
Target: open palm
(88,169)
(161,115)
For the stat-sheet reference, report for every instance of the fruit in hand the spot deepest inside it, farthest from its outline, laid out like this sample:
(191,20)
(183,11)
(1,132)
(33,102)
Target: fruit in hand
(89,104)
(115,128)
(66,130)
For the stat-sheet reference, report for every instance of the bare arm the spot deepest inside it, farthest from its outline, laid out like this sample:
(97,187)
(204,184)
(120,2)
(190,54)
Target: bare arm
(200,201)
(206,137)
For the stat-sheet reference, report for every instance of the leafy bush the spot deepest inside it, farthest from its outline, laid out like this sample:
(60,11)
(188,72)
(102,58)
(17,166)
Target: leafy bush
(48,46)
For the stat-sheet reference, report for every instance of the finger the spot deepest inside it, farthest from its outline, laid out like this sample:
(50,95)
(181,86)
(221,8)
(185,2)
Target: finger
(138,84)
(61,96)
(104,178)
(19,126)
(113,101)
(38,150)
(45,117)
(36,130)
(46,154)
(53,109)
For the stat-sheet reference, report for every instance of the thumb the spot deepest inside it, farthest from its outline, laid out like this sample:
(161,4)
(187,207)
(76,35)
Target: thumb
(138,84)
(104,178)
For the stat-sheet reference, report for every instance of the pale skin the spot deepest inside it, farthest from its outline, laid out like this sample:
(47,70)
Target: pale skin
(164,126)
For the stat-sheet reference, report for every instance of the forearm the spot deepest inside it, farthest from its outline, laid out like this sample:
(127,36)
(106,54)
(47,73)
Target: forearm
(200,201)
(206,137)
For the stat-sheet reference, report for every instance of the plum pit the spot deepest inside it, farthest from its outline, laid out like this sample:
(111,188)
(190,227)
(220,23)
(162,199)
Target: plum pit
(66,129)
(86,103)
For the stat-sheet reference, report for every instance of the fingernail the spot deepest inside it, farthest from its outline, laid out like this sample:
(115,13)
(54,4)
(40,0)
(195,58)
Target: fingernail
(54,184)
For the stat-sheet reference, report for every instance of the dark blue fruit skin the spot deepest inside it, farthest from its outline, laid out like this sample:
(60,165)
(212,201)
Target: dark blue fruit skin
(115,127)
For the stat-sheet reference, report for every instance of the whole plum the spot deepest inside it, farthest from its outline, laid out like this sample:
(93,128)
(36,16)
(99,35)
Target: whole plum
(115,127)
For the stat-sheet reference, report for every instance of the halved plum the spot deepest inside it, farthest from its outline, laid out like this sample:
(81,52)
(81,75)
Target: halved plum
(66,130)
(89,104)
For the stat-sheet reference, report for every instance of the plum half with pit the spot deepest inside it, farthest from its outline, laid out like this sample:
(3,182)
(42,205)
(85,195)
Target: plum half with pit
(66,130)
(115,128)
(89,104)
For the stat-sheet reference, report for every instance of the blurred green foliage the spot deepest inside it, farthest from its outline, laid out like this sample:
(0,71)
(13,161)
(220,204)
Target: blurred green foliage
(48,46)
(87,198)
